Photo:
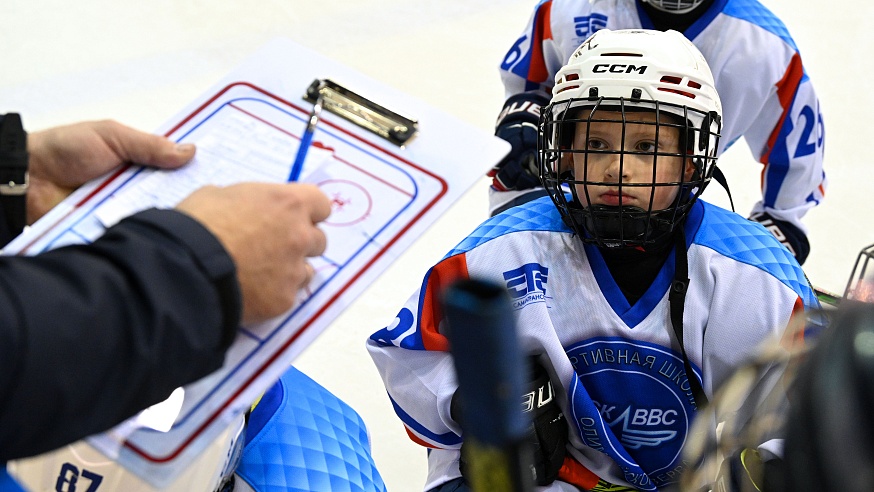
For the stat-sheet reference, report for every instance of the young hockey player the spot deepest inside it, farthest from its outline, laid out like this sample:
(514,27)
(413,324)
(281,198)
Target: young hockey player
(766,95)
(636,298)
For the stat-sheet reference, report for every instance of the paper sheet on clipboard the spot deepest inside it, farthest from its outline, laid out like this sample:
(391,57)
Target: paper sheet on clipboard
(247,128)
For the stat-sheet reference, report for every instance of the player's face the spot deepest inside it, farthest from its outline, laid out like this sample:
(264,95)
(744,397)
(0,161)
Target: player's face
(605,168)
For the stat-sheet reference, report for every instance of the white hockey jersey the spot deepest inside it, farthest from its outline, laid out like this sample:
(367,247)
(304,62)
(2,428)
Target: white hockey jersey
(766,95)
(623,386)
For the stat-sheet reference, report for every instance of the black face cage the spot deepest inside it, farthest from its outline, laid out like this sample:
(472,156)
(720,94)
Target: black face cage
(675,5)
(623,225)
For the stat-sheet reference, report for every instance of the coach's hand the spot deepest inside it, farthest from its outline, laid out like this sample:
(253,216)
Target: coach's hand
(65,157)
(269,230)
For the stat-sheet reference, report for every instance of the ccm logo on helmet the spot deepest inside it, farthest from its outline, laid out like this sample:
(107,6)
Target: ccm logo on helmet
(618,68)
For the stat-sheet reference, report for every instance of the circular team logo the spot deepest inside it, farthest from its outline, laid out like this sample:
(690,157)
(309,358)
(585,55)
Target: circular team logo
(632,401)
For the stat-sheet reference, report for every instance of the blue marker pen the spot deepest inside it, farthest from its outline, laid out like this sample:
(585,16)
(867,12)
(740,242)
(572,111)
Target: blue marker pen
(306,140)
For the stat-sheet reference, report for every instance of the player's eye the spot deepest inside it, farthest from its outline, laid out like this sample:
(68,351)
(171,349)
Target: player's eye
(596,144)
(646,146)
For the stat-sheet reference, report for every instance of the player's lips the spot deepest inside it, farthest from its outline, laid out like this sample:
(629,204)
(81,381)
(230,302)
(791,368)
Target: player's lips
(614,197)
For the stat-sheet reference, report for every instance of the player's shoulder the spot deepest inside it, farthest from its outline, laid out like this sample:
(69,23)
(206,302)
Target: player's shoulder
(538,215)
(757,15)
(576,6)
(568,16)
(735,237)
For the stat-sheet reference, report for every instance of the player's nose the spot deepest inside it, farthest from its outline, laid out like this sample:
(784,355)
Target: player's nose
(616,169)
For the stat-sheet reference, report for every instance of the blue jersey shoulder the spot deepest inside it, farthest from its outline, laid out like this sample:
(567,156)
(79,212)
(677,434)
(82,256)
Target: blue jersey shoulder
(755,13)
(536,215)
(749,242)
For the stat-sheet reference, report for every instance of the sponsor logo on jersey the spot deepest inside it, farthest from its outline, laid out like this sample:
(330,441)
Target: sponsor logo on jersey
(586,25)
(632,401)
(527,284)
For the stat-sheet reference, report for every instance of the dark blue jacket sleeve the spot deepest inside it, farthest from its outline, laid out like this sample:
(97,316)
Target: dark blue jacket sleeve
(91,334)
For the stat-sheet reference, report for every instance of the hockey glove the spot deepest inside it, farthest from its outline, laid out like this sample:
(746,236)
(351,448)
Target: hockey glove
(787,233)
(746,471)
(548,434)
(549,428)
(517,124)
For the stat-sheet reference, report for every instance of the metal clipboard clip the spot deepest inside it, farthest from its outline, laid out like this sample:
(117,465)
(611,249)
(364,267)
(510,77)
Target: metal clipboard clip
(395,128)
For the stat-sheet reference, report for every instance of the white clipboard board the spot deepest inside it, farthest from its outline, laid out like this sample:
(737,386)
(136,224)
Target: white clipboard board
(248,128)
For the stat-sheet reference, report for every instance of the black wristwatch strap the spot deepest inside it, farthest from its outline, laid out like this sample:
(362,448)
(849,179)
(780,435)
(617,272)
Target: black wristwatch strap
(13,172)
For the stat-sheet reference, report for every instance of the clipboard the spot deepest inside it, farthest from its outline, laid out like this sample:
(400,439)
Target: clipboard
(386,189)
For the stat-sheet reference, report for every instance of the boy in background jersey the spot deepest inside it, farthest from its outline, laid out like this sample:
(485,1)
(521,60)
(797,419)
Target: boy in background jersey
(766,94)
(637,298)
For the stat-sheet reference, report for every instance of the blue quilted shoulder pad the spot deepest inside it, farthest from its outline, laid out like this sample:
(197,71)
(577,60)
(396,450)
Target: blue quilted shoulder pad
(536,215)
(754,12)
(301,437)
(749,242)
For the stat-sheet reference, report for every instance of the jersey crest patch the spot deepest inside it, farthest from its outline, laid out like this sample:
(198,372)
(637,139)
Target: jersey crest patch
(632,401)
(527,284)
(586,25)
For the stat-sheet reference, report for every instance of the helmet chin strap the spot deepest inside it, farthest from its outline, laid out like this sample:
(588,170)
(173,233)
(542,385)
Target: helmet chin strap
(677,301)
(615,224)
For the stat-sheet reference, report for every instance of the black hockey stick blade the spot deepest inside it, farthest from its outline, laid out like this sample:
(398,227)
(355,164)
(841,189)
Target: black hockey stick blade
(481,330)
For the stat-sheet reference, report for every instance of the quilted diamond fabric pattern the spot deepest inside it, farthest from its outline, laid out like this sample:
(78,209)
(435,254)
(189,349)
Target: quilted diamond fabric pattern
(537,215)
(757,14)
(313,442)
(749,242)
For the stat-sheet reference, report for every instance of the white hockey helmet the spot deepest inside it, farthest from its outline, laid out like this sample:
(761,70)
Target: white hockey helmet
(621,72)
(675,6)
(80,467)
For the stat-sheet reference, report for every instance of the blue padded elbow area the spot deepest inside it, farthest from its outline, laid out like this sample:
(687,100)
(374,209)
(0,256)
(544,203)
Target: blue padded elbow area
(301,437)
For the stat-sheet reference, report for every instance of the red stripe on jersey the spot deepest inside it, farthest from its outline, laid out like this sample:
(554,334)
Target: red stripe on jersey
(574,473)
(418,440)
(786,88)
(542,30)
(442,276)
(793,337)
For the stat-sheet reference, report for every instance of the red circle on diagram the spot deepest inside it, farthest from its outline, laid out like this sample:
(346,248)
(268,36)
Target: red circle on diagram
(350,202)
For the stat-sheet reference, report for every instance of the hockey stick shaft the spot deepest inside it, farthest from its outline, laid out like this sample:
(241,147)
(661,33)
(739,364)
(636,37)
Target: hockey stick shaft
(481,329)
